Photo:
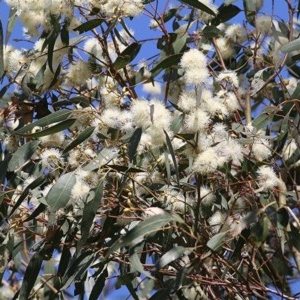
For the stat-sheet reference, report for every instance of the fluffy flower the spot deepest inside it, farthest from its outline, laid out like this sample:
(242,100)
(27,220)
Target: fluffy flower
(205,17)
(261,149)
(228,77)
(236,33)
(208,161)
(51,158)
(187,100)
(229,99)
(152,88)
(263,24)
(193,63)
(225,47)
(267,178)
(196,121)
(207,196)
(79,191)
(216,221)
(78,73)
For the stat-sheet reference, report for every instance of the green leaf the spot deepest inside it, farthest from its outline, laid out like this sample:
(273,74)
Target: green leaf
(133,143)
(170,256)
(171,150)
(1,51)
(22,155)
(226,12)
(13,13)
(127,55)
(89,212)
(137,265)
(210,31)
(99,285)
(30,276)
(103,158)
(60,192)
(166,63)
(250,10)
(78,268)
(55,117)
(64,34)
(89,25)
(3,169)
(291,46)
(150,225)
(37,182)
(53,129)
(197,4)
(82,136)
(217,241)
(126,169)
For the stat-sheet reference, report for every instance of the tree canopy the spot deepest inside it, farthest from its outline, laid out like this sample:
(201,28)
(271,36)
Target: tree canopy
(166,165)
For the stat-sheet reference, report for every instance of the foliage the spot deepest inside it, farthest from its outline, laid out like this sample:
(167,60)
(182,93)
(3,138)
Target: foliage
(189,192)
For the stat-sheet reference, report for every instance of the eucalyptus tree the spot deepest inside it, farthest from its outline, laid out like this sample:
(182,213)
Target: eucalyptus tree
(165,164)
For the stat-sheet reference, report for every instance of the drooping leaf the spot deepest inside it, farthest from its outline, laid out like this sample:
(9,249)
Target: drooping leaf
(197,4)
(103,158)
(217,241)
(89,211)
(55,117)
(1,50)
(171,150)
(166,63)
(211,31)
(99,285)
(250,10)
(226,12)
(89,25)
(30,276)
(170,256)
(291,46)
(60,192)
(82,136)
(133,143)
(137,265)
(127,55)
(22,155)
(34,184)
(59,127)
(13,13)
(77,268)
(150,225)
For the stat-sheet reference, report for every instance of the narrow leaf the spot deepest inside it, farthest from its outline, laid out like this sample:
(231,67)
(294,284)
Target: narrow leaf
(226,12)
(133,143)
(150,225)
(170,256)
(22,155)
(55,117)
(53,129)
(85,134)
(166,63)
(171,150)
(127,56)
(197,4)
(31,274)
(291,46)
(217,241)
(89,25)
(89,212)
(1,51)
(99,285)
(11,23)
(37,182)
(60,192)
